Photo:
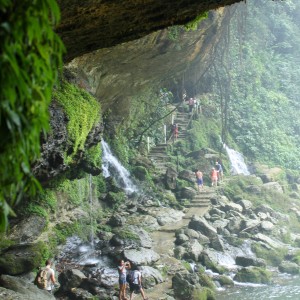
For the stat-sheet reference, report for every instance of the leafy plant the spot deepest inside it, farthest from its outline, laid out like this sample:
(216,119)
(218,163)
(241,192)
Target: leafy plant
(30,57)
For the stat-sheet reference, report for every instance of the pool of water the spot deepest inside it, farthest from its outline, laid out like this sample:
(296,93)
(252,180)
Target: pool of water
(286,287)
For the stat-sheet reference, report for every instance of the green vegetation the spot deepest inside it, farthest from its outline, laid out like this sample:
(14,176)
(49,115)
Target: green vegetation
(254,275)
(193,25)
(31,55)
(83,112)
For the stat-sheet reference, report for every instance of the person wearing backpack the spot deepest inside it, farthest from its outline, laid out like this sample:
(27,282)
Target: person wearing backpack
(45,278)
(135,283)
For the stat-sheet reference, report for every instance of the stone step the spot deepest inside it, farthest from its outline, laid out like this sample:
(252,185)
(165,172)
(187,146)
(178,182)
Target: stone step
(197,205)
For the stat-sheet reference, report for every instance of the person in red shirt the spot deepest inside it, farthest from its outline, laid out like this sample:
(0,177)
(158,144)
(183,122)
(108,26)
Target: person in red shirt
(214,177)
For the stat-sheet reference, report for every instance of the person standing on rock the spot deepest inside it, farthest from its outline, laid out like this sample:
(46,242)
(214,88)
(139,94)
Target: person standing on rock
(199,179)
(136,284)
(214,177)
(122,269)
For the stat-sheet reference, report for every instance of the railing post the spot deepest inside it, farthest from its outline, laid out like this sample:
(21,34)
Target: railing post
(165,132)
(148,144)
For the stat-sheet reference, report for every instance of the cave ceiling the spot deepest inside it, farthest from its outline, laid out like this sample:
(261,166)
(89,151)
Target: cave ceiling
(95,24)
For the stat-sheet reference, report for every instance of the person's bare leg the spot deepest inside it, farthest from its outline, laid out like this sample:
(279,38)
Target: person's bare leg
(143,294)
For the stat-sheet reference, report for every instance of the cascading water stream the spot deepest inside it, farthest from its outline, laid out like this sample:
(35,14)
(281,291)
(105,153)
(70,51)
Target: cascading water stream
(237,162)
(112,167)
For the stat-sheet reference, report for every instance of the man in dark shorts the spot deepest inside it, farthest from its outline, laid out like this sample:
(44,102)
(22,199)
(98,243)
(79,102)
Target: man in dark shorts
(199,178)
(136,284)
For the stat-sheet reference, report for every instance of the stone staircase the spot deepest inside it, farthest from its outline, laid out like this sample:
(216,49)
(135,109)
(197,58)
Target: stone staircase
(158,153)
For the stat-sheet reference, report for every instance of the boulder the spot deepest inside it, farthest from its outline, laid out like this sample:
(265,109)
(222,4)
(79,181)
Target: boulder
(181,239)
(246,204)
(15,288)
(19,259)
(170,178)
(117,220)
(231,206)
(151,276)
(187,175)
(70,279)
(188,193)
(273,186)
(289,267)
(253,275)
(191,233)
(141,256)
(194,250)
(246,261)
(29,229)
(266,226)
(201,225)
(273,243)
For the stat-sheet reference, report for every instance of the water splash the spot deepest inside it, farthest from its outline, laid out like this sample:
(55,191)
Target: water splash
(238,165)
(112,167)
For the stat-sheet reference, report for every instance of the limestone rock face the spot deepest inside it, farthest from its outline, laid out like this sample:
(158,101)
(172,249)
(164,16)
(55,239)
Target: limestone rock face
(90,25)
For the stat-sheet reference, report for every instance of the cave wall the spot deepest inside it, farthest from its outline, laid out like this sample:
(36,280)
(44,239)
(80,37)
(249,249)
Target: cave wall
(90,25)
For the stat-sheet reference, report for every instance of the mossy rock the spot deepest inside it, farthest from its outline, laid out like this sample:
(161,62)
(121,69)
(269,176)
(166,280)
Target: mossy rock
(140,172)
(24,258)
(253,275)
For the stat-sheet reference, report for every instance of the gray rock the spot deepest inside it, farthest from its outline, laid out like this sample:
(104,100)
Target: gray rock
(246,204)
(191,233)
(181,238)
(141,256)
(289,267)
(14,288)
(266,226)
(194,250)
(151,276)
(273,186)
(71,279)
(201,225)
(233,207)
(187,175)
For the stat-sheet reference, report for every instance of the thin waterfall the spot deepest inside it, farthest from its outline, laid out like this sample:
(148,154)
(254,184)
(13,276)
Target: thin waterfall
(238,165)
(112,167)
(91,211)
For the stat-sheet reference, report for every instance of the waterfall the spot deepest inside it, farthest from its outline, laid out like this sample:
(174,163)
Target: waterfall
(111,166)
(237,162)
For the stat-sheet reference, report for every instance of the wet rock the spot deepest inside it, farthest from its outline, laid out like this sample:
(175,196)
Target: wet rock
(14,288)
(217,243)
(234,225)
(117,220)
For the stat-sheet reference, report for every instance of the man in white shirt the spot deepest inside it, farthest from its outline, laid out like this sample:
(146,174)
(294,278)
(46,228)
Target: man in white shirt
(50,276)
